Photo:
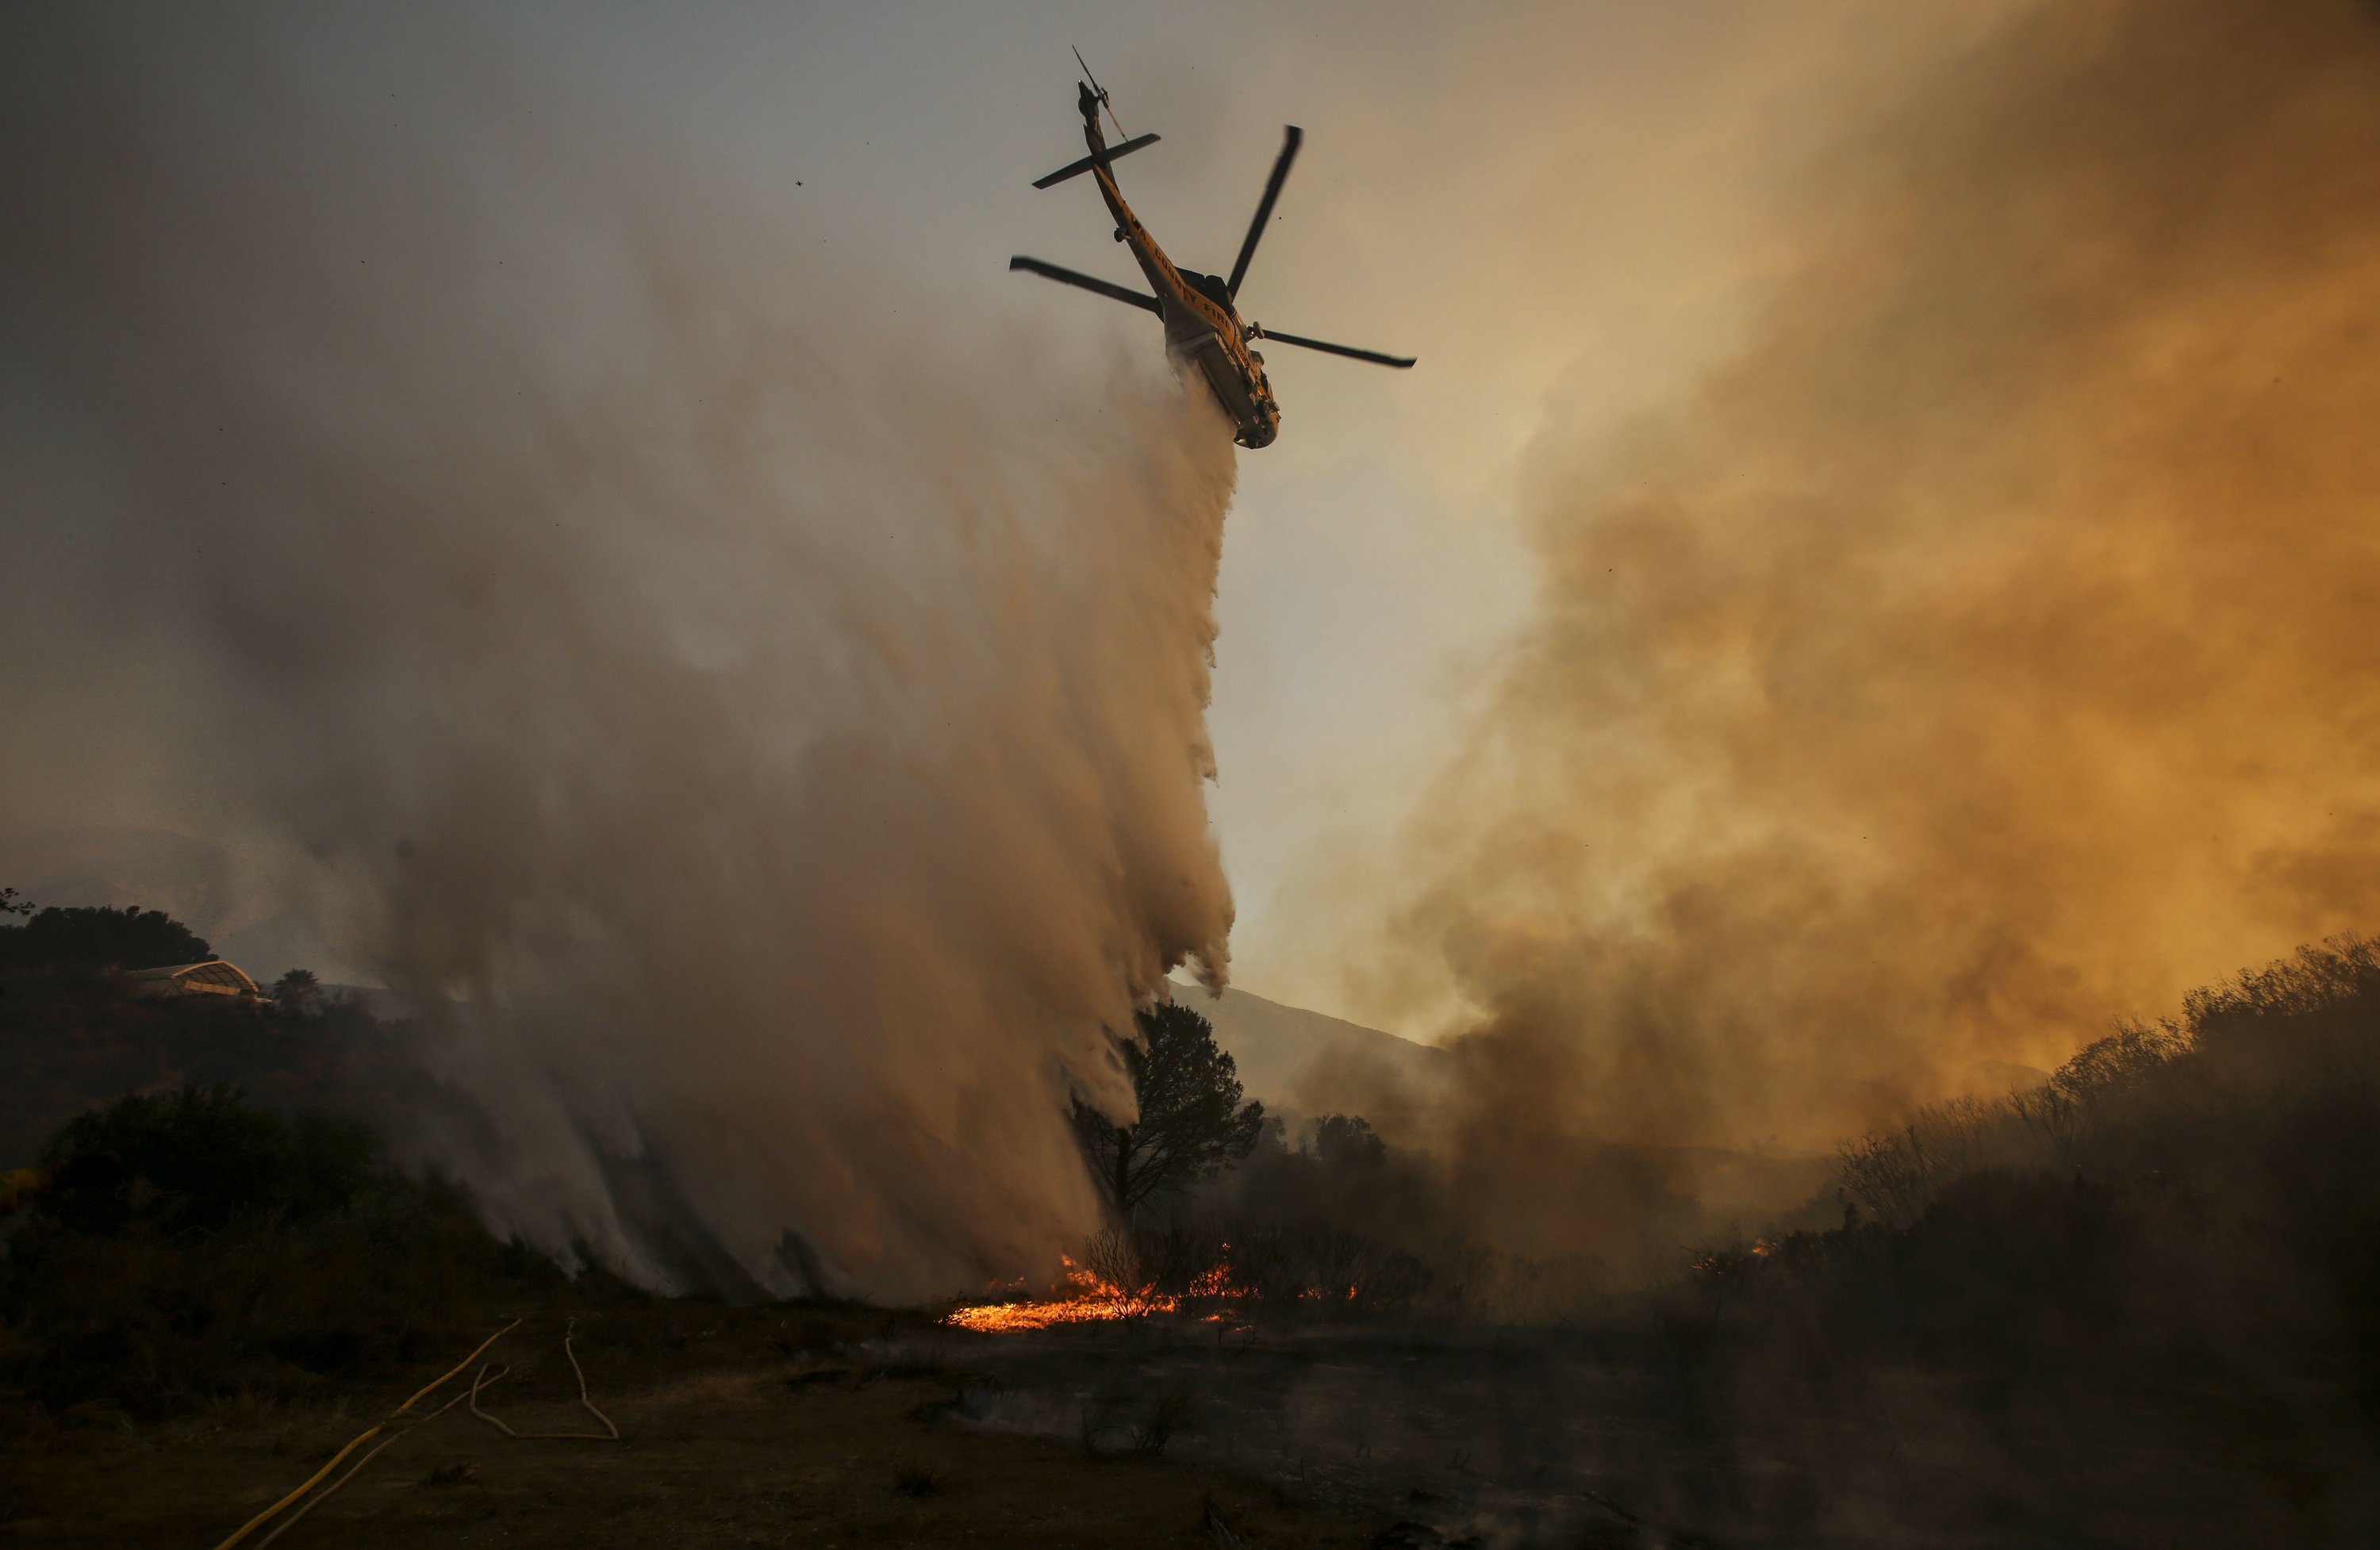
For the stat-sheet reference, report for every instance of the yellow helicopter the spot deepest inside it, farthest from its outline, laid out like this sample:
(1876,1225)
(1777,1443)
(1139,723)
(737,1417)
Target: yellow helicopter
(1201,312)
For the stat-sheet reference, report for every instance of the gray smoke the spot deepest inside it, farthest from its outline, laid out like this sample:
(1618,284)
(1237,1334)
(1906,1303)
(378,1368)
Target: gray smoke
(771,723)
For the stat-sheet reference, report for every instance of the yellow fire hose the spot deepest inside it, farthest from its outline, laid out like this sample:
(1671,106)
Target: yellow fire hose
(609,1433)
(399,1425)
(275,1511)
(319,1497)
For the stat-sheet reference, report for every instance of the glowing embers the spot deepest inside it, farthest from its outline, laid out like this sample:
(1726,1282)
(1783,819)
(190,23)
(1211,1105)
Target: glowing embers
(1093,1301)
(1094,1298)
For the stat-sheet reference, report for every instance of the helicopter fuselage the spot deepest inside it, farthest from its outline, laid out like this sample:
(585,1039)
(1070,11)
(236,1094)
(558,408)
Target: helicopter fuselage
(1202,328)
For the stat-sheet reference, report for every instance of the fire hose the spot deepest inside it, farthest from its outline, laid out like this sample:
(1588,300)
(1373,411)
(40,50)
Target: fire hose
(401,1421)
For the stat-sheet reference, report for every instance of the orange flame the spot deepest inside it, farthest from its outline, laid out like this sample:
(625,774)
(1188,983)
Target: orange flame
(1091,1299)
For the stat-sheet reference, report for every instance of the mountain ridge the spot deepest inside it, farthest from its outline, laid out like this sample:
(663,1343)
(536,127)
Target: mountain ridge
(1301,1062)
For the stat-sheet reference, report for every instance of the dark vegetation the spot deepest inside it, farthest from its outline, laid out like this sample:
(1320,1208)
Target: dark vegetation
(213,1233)
(1206,1182)
(130,938)
(1192,1123)
(192,1246)
(1329,1219)
(1329,1224)
(2144,1299)
(73,1036)
(2197,1200)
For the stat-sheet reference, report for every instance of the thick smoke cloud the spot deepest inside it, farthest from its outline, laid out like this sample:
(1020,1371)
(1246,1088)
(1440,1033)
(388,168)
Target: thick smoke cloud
(766,720)
(1986,654)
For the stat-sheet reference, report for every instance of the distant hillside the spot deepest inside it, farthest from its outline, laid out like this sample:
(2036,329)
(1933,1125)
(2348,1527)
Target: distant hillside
(221,896)
(1304,1063)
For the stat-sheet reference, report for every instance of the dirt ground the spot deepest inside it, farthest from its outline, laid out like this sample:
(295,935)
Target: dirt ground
(751,1426)
(839,1426)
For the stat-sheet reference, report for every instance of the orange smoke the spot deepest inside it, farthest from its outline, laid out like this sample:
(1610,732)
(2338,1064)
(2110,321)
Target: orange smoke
(1988,651)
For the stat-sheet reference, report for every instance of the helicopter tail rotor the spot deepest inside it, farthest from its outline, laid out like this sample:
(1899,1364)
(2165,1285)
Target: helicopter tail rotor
(1100,94)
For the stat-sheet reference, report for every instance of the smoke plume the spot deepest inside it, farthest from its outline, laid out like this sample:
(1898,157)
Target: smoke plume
(760,714)
(1988,652)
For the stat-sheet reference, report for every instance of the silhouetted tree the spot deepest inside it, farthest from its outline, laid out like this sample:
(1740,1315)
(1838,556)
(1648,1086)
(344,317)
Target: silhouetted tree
(1191,1123)
(1347,1142)
(130,938)
(297,990)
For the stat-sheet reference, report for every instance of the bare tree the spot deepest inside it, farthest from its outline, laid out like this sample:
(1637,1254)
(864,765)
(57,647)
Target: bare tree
(1191,1123)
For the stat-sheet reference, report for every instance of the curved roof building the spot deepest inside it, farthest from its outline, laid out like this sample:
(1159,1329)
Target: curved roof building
(213,977)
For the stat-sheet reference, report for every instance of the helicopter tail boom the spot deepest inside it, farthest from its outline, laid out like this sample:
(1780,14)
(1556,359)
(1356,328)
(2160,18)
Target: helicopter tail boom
(1075,169)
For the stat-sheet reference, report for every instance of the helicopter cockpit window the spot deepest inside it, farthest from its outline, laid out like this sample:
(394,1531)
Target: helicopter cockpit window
(1211,286)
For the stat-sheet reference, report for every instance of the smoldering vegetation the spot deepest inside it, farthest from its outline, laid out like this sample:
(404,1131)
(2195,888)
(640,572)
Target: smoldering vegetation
(753,714)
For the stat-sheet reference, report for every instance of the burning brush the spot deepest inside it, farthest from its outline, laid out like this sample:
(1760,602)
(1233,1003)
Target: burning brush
(1093,1299)
(1087,1296)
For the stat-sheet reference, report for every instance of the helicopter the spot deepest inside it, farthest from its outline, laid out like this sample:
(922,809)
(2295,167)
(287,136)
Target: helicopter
(1200,311)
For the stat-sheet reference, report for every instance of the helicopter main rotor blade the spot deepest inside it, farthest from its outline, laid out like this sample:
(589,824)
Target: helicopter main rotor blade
(1264,209)
(1096,287)
(1374,356)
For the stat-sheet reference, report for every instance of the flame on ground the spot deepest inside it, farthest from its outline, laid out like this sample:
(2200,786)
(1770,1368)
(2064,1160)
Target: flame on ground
(1094,1298)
